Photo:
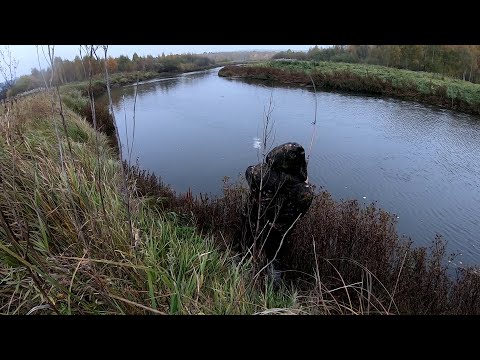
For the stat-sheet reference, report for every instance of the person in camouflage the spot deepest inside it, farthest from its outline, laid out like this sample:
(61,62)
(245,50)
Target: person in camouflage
(280,188)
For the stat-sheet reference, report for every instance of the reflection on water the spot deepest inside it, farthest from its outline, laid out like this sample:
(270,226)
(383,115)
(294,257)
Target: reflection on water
(419,162)
(155,86)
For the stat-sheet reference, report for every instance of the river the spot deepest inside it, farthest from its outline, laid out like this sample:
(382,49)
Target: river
(417,161)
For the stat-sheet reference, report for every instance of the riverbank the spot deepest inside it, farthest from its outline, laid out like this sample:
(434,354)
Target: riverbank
(66,245)
(99,85)
(370,79)
(75,95)
(70,243)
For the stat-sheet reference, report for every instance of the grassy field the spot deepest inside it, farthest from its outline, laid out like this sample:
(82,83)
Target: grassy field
(75,240)
(419,86)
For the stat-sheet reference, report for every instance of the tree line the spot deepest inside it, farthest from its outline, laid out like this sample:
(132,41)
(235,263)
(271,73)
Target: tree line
(457,61)
(67,71)
(241,55)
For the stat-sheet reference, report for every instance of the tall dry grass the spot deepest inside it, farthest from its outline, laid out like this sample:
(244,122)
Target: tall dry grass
(342,257)
(47,267)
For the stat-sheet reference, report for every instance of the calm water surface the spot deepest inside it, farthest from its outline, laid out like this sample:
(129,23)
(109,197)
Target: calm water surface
(417,161)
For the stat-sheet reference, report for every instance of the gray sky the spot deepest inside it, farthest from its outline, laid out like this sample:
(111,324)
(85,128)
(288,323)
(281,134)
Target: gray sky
(27,54)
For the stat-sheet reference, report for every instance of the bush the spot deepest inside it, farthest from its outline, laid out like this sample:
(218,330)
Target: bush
(74,99)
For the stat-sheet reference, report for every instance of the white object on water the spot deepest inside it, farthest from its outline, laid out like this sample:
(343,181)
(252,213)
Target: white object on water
(257,144)
(364,197)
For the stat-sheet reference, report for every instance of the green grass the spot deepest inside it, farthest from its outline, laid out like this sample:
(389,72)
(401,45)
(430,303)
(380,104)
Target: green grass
(426,83)
(99,85)
(66,251)
(420,86)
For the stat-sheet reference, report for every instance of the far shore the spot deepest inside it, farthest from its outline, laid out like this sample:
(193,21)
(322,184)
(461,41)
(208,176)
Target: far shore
(428,88)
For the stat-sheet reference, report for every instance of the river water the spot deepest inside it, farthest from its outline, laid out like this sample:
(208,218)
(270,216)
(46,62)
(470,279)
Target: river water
(419,162)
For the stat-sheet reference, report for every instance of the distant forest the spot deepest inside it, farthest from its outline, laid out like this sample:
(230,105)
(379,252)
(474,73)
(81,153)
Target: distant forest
(253,55)
(67,71)
(457,61)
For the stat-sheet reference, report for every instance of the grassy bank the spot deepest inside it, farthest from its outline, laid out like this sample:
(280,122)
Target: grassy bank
(65,244)
(99,85)
(424,87)
(67,247)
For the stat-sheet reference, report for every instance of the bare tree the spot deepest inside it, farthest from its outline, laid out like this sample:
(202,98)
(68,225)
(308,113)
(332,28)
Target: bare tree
(314,123)
(91,52)
(54,92)
(8,66)
(255,228)
(124,175)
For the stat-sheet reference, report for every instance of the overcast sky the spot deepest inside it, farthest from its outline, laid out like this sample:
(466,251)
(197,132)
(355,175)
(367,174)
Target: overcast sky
(27,54)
